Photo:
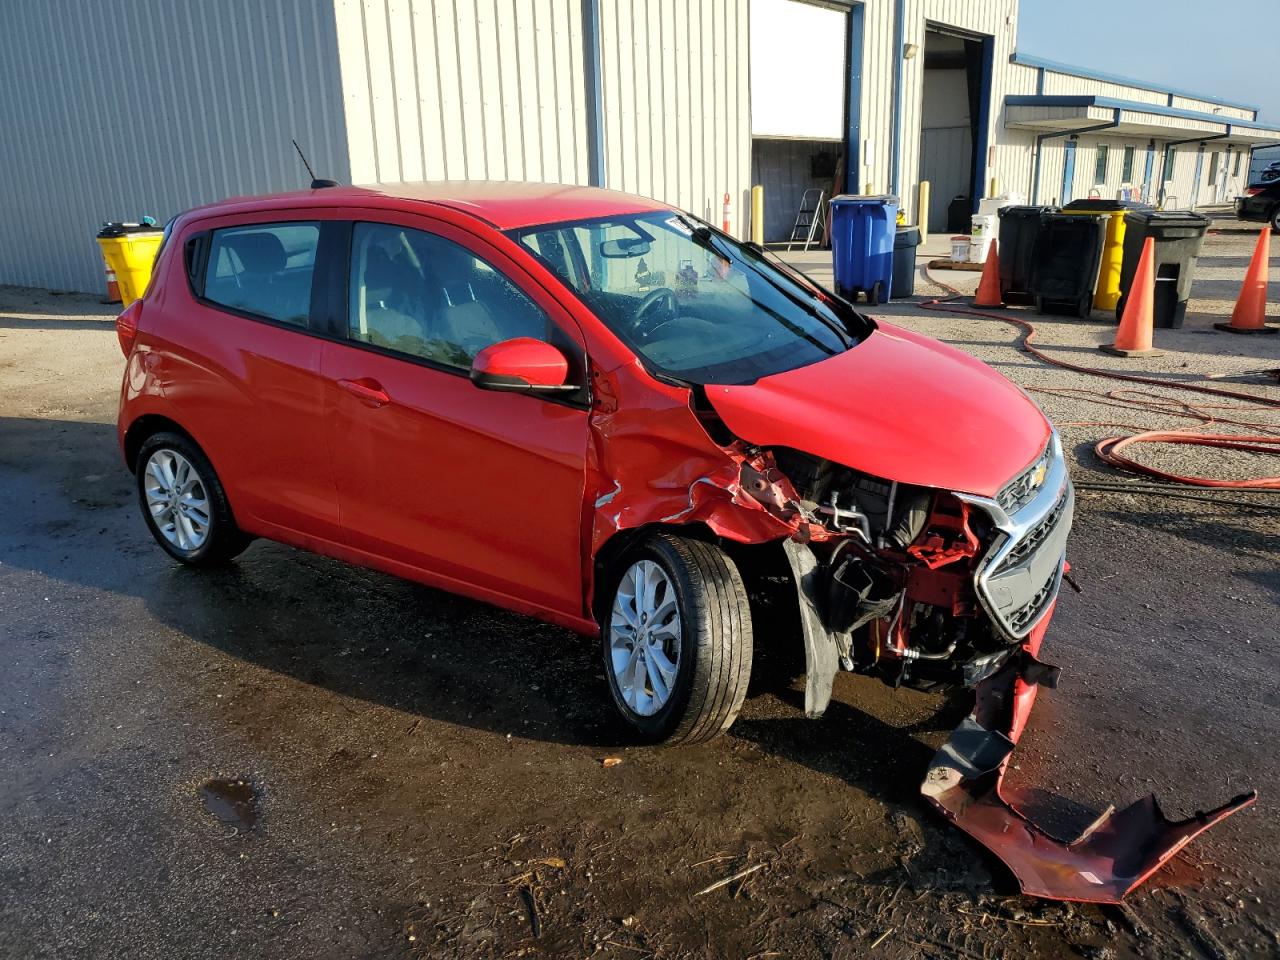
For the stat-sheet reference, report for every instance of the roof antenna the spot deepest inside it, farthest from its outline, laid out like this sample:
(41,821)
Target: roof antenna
(316,183)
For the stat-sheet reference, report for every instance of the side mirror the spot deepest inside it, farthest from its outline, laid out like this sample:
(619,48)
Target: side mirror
(522,365)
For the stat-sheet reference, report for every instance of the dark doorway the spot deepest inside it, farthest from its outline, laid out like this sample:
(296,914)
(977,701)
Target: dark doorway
(954,110)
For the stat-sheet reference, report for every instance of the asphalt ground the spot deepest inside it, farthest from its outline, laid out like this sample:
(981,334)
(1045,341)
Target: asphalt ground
(420,775)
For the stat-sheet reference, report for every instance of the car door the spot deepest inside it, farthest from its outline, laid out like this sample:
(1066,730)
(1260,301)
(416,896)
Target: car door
(241,365)
(476,489)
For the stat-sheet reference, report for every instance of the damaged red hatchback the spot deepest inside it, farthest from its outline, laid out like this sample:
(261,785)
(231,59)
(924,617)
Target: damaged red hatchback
(595,409)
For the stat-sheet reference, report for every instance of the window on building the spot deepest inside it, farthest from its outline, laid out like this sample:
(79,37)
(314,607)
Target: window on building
(1235,171)
(264,269)
(1169,154)
(1100,164)
(1126,171)
(428,297)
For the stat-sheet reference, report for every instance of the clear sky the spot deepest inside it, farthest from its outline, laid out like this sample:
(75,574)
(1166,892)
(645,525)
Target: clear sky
(1227,48)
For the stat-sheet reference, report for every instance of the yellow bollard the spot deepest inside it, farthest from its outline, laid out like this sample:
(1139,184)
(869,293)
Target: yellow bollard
(994,186)
(757,215)
(922,210)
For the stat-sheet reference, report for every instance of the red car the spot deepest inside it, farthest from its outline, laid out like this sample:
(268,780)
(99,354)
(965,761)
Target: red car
(598,410)
(576,404)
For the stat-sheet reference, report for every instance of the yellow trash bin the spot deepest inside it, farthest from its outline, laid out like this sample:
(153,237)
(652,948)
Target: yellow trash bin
(129,250)
(1106,293)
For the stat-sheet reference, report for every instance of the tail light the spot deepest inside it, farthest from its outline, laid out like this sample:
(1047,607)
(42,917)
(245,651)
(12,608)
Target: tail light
(127,326)
(1253,191)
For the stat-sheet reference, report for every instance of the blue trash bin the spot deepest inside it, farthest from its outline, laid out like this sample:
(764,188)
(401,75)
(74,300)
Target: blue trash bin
(862,232)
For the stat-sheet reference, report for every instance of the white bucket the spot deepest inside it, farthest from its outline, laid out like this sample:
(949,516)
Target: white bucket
(984,225)
(979,247)
(960,249)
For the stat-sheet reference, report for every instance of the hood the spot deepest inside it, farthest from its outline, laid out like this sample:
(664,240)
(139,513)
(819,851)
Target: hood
(899,406)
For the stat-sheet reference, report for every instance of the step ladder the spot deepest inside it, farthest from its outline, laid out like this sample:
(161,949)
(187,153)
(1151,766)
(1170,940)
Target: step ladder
(810,218)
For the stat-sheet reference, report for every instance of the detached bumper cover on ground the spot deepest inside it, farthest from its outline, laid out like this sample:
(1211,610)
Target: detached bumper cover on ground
(1108,860)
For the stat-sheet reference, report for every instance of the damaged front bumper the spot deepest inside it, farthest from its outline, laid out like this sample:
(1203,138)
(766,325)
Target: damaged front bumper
(1115,854)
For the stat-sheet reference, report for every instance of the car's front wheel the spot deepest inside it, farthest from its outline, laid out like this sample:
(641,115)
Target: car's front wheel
(1275,219)
(183,501)
(676,639)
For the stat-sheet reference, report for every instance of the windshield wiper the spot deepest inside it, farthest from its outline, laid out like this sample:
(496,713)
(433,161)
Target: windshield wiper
(703,236)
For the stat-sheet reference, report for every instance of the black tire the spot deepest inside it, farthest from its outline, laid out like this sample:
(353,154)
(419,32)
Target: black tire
(875,296)
(1275,219)
(714,665)
(223,539)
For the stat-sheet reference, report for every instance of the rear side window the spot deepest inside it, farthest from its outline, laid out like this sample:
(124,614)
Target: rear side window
(264,269)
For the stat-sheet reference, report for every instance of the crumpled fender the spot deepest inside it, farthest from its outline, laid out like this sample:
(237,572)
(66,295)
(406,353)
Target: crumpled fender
(1110,858)
(651,461)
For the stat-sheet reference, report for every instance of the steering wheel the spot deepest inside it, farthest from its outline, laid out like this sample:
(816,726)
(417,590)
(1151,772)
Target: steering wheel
(650,304)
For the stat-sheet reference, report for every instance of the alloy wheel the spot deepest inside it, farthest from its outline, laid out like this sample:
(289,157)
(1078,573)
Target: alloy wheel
(644,638)
(177,499)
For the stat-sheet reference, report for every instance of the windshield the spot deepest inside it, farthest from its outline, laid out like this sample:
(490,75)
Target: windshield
(691,302)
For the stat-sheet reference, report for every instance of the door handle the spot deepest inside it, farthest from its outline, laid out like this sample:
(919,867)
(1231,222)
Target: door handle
(367,391)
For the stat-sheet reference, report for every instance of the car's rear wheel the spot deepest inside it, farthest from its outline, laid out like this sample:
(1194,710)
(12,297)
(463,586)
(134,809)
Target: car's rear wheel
(1275,218)
(676,639)
(183,501)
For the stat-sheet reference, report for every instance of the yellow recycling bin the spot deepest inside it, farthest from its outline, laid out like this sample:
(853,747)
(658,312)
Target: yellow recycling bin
(1106,293)
(129,250)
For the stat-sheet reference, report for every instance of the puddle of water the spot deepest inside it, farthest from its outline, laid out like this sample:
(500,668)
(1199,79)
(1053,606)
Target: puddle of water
(234,802)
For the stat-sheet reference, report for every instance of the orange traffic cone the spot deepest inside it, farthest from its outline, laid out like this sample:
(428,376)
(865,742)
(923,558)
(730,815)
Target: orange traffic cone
(988,294)
(1133,339)
(1250,313)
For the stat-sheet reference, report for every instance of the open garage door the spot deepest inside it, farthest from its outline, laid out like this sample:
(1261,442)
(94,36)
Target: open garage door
(799,82)
(951,112)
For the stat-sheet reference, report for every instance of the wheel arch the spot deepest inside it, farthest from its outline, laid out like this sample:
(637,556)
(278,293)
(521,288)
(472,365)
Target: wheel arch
(146,426)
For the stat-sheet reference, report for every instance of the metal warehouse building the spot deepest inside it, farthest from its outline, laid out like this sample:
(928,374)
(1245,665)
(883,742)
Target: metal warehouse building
(116,108)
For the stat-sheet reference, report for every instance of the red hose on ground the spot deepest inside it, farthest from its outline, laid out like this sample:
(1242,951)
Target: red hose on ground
(1109,449)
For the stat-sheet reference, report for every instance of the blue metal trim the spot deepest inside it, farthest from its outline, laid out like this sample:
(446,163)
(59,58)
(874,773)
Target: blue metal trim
(1151,162)
(1111,103)
(593,80)
(895,148)
(979,187)
(1027,60)
(1040,81)
(853,106)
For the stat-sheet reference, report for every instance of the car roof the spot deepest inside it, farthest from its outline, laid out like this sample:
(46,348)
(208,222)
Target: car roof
(506,205)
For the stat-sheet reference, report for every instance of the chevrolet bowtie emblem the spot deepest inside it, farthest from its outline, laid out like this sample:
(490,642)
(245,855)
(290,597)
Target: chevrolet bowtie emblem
(1037,477)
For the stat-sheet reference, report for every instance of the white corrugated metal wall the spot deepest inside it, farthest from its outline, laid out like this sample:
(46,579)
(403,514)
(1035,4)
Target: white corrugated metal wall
(112,109)
(677,102)
(463,90)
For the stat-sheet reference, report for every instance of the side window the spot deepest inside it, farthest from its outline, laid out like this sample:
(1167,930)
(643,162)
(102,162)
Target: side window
(263,269)
(428,297)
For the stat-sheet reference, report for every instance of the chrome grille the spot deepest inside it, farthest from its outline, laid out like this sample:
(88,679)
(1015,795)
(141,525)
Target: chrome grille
(1026,614)
(1035,536)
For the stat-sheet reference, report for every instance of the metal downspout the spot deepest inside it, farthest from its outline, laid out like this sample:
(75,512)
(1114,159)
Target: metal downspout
(593,81)
(895,143)
(1035,175)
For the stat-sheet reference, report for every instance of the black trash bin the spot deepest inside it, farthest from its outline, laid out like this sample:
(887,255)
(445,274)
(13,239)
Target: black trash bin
(1019,229)
(1065,262)
(905,241)
(1178,236)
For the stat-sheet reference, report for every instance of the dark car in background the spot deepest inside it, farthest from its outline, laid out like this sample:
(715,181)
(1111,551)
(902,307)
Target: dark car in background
(1260,204)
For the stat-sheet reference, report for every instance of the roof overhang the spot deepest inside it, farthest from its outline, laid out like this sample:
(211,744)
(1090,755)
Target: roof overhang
(1065,114)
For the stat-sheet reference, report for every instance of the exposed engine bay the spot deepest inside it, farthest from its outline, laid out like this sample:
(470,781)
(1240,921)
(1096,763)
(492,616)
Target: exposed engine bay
(915,586)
